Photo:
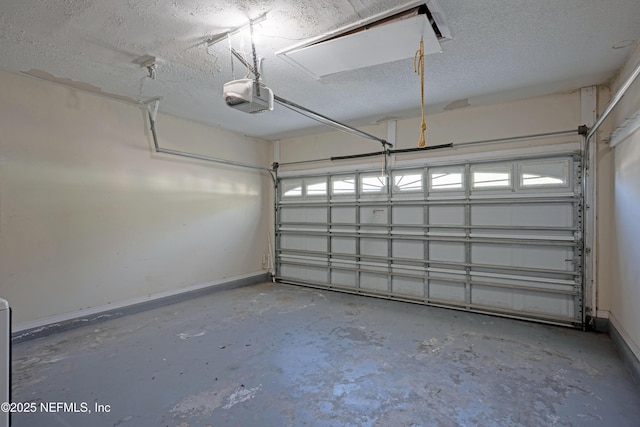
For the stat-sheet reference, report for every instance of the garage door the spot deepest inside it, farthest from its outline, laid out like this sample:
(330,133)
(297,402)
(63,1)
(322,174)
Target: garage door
(501,237)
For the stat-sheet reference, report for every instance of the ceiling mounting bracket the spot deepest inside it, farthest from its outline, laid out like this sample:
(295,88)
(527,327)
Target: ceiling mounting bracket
(148,62)
(152,106)
(219,37)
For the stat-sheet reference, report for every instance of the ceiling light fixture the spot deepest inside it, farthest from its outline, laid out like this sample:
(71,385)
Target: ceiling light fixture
(219,37)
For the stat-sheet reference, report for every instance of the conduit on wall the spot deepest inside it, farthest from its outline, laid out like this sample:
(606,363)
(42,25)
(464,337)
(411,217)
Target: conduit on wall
(152,111)
(614,101)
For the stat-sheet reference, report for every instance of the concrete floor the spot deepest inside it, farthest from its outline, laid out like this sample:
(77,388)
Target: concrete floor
(278,355)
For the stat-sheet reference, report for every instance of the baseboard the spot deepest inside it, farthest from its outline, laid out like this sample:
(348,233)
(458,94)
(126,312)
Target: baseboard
(64,322)
(601,323)
(622,341)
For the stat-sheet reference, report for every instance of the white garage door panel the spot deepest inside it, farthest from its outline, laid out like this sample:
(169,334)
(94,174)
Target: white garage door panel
(374,282)
(373,215)
(540,257)
(344,278)
(410,249)
(311,214)
(555,285)
(343,215)
(412,215)
(446,215)
(375,247)
(530,214)
(527,233)
(343,245)
(447,291)
(408,286)
(447,251)
(312,274)
(503,238)
(310,243)
(524,301)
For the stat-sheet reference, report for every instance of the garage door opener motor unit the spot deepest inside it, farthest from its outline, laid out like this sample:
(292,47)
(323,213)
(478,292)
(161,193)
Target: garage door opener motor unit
(248,95)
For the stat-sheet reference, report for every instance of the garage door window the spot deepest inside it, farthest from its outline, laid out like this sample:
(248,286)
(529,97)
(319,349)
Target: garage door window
(407,182)
(553,173)
(316,188)
(343,185)
(446,179)
(490,176)
(372,184)
(292,188)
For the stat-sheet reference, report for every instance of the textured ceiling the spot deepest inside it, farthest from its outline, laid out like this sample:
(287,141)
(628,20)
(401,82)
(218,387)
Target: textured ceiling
(501,50)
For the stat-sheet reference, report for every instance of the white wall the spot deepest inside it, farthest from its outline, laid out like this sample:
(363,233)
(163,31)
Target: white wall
(91,217)
(557,112)
(625,250)
(604,212)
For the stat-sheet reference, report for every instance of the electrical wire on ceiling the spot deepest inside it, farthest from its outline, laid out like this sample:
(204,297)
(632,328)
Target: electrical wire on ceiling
(418,67)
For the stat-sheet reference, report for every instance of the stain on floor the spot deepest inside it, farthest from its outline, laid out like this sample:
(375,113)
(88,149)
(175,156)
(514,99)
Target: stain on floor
(280,355)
